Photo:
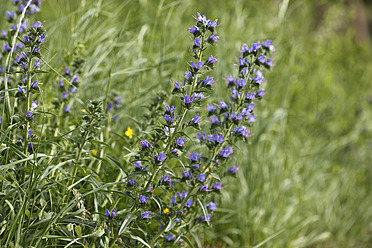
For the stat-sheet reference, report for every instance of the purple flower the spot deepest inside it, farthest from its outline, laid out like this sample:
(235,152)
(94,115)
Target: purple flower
(250,96)
(37,25)
(243,62)
(168,118)
(267,44)
(244,49)
(36,50)
(64,95)
(188,100)
(170,238)
(21,91)
(261,59)
(145,215)
(258,79)
(131,182)
(29,114)
(109,106)
(117,102)
(67,71)
(208,81)
(234,93)
(10,15)
(212,206)
(251,118)
(186,175)
(196,119)
(143,199)
(41,39)
(194,30)
(166,130)
(169,110)
(145,144)
(202,177)
(201,137)
(174,152)
(4,34)
(173,200)
(6,48)
(268,62)
(177,87)
(211,108)
(213,38)
(211,60)
(27,39)
(217,186)
(197,42)
(211,25)
(260,93)
(201,18)
(61,83)
(236,117)
(222,105)
(189,203)
(159,158)
(180,142)
(255,47)
(73,89)
(230,81)
(110,215)
(204,188)
(226,152)
(182,195)
(243,131)
(34,105)
(198,66)
(240,83)
(194,156)
(139,166)
(37,63)
(75,79)
(67,109)
(166,179)
(23,65)
(199,95)
(233,170)
(215,120)
(215,138)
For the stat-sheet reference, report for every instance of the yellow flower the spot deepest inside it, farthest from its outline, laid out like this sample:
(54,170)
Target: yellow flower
(166,210)
(129,133)
(83,110)
(94,152)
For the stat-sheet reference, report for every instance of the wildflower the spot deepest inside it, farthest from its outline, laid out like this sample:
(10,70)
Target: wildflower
(166,130)
(182,195)
(245,49)
(196,119)
(129,133)
(168,118)
(29,114)
(213,38)
(94,152)
(202,218)
(4,34)
(110,215)
(250,96)
(67,71)
(198,66)
(64,95)
(27,38)
(143,199)
(208,81)
(233,170)
(226,152)
(145,144)
(234,93)
(251,118)
(166,211)
(67,109)
(177,87)
(23,65)
(117,102)
(201,137)
(37,25)
(188,75)
(139,166)
(169,110)
(180,142)
(73,89)
(260,93)
(61,83)
(211,60)
(211,25)
(215,138)
(197,42)
(212,206)
(243,62)
(36,50)
(194,156)
(173,200)
(261,59)
(170,238)
(268,63)
(188,100)
(240,83)
(10,15)
(217,186)
(75,79)
(243,131)
(201,18)
(255,47)
(145,215)
(204,188)
(267,44)
(215,120)
(21,91)
(174,152)
(37,63)
(166,179)
(258,78)
(222,105)
(159,158)
(131,182)
(211,109)
(194,30)
(41,39)
(189,203)
(230,81)
(34,105)
(202,177)
(186,175)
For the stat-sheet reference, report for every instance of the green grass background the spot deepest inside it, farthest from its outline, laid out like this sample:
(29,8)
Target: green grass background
(305,179)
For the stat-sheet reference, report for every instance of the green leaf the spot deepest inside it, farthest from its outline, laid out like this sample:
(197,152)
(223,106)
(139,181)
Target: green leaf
(140,240)
(204,208)
(128,219)
(170,225)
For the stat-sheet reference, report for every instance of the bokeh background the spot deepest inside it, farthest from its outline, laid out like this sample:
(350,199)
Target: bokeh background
(305,180)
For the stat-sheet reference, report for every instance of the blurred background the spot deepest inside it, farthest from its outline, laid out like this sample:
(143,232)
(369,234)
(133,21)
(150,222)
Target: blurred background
(305,180)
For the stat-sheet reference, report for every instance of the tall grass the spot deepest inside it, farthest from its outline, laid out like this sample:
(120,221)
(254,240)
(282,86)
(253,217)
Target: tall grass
(305,178)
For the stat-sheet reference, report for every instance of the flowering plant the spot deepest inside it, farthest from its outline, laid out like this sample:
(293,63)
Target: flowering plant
(166,186)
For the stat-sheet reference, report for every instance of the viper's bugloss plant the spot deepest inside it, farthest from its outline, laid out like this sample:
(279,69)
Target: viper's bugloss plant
(168,183)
